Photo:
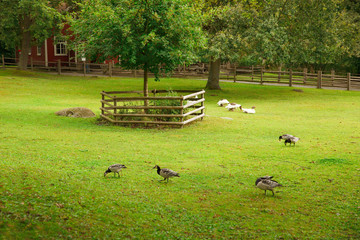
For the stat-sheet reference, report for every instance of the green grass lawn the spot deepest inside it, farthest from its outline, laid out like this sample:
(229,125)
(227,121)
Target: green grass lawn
(51,168)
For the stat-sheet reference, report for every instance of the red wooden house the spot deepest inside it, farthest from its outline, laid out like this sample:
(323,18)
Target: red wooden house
(52,50)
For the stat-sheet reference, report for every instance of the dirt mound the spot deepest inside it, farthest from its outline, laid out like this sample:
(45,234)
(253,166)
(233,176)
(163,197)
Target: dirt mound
(77,112)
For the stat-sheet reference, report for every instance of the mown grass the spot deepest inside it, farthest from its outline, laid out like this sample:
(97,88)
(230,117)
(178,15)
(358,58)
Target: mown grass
(51,167)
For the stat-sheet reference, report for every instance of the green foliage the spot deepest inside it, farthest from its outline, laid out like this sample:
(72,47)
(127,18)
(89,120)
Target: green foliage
(39,17)
(304,33)
(52,184)
(166,102)
(154,35)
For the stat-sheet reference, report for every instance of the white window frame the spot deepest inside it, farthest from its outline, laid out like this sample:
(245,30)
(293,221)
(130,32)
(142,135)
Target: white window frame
(62,46)
(38,50)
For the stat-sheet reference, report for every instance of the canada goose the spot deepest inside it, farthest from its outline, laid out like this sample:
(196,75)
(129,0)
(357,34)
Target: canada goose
(166,173)
(222,102)
(248,110)
(292,140)
(285,136)
(233,106)
(266,183)
(116,168)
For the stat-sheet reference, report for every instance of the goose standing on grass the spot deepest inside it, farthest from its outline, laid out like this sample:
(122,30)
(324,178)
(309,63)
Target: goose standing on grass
(248,110)
(166,173)
(292,140)
(222,102)
(233,106)
(266,183)
(285,137)
(116,168)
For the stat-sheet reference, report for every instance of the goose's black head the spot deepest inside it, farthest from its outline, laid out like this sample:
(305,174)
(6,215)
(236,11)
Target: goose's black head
(106,172)
(258,180)
(280,138)
(158,169)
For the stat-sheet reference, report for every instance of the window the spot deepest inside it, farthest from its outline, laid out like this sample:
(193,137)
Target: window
(60,47)
(38,50)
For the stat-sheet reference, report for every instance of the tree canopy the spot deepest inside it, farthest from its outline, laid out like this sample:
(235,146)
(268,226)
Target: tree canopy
(153,35)
(291,33)
(27,22)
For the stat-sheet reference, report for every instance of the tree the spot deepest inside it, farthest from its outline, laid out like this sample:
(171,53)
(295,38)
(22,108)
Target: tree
(24,21)
(153,35)
(225,22)
(304,33)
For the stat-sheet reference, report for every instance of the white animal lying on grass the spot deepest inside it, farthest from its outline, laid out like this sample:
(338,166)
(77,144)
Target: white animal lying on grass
(222,102)
(248,110)
(233,106)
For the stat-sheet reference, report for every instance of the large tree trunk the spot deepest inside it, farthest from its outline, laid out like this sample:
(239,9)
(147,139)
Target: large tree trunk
(25,41)
(214,75)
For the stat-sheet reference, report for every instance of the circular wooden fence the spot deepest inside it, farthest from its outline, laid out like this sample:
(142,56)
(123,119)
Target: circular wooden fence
(163,108)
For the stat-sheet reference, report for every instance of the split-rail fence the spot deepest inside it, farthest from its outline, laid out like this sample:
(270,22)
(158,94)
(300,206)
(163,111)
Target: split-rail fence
(231,72)
(119,108)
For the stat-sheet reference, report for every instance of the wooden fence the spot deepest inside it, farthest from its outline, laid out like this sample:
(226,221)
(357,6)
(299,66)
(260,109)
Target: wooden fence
(119,108)
(108,69)
(228,71)
(291,78)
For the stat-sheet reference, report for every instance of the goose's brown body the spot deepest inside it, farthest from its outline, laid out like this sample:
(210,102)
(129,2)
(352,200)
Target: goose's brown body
(116,168)
(166,173)
(266,183)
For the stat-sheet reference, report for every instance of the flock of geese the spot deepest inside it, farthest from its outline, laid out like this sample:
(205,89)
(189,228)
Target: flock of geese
(232,106)
(163,172)
(265,183)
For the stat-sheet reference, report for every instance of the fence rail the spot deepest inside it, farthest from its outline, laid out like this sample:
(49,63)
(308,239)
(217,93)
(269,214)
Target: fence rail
(228,71)
(156,110)
(290,78)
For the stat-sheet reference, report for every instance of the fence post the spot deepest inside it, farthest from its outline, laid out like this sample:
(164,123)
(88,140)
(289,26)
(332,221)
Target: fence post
(84,66)
(332,77)
(182,111)
(279,74)
(290,78)
(305,75)
(261,76)
(348,81)
(59,66)
(319,79)
(31,63)
(102,102)
(115,110)
(202,104)
(3,60)
(110,69)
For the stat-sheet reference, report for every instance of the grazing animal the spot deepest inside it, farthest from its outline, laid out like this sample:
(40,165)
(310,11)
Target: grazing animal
(222,102)
(266,183)
(248,110)
(166,173)
(292,140)
(116,168)
(233,106)
(285,136)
